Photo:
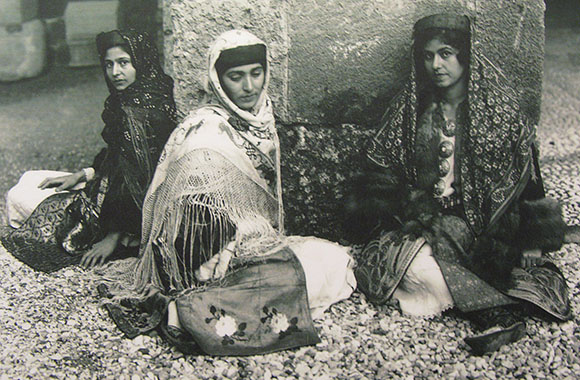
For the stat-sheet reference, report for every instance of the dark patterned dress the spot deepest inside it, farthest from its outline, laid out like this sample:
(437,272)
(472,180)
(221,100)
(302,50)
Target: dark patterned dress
(497,210)
(138,121)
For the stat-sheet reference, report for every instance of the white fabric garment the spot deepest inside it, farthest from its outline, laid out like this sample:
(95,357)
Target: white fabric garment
(423,291)
(22,199)
(328,270)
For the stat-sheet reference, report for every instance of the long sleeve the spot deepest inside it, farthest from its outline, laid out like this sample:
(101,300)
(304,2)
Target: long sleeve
(138,145)
(98,160)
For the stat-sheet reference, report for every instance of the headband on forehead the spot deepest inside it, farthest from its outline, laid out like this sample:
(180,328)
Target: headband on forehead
(442,21)
(239,56)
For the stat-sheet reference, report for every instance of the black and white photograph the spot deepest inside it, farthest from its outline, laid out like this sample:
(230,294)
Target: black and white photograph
(289,189)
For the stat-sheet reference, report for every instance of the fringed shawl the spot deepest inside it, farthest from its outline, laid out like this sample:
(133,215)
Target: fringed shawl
(496,156)
(215,162)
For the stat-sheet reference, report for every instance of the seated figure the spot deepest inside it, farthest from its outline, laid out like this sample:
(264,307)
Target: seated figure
(61,218)
(215,272)
(454,195)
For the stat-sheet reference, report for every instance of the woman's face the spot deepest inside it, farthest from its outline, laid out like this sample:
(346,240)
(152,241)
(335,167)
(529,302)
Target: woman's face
(119,68)
(442,65)
(243,84)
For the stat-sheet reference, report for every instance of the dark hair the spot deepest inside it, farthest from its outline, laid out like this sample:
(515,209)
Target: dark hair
(239,56)
(456,38)
(107,40)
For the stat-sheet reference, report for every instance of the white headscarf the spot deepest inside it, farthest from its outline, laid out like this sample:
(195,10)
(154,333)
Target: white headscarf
(210,164)
(261,117)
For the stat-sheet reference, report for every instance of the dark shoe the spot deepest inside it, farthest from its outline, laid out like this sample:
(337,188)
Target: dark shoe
(501,316)
(179,338)
(492,339)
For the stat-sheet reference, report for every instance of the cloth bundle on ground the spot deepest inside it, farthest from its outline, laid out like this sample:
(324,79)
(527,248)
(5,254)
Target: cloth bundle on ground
(215,202)
(54,230)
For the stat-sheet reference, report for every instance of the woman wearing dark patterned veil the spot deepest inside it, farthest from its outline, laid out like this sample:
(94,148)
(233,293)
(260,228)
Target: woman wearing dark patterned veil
(56,223)
(454,186)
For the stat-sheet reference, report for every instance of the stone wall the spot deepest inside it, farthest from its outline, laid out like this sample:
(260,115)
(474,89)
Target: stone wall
(335,65)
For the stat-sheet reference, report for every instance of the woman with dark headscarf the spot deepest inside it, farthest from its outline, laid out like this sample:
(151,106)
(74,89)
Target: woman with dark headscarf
(90,224)
(215,271)
(454,188)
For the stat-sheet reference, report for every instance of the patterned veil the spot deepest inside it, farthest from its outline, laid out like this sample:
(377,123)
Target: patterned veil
(138,121)
(152,90)
(496,160)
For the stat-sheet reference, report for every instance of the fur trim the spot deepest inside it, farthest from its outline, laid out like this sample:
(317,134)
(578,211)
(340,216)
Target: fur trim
(493,260)
(572,234)
(541,225)
(378,199)
(373,199)
(419,205)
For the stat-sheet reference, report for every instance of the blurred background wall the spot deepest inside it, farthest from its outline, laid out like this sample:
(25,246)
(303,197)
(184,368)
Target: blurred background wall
(37,34)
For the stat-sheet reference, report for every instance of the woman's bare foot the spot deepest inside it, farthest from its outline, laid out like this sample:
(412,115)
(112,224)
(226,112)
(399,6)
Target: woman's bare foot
(101,250)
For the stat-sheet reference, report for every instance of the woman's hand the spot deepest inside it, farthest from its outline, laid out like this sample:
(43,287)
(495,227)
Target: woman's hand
(531,258)
(101,250)
(216,267)
(63,183)
(223,263)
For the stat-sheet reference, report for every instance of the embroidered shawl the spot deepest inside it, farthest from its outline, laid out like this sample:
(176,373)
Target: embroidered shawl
(222,161)
(496,154)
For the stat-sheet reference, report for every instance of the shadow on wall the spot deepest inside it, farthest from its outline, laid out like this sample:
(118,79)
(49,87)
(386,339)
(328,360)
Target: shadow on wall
(562,14)
(350,107)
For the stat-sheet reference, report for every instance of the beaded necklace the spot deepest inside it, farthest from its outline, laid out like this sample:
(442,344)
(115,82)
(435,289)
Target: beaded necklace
(446,128)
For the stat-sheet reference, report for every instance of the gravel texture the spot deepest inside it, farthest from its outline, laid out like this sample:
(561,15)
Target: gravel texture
(53,327)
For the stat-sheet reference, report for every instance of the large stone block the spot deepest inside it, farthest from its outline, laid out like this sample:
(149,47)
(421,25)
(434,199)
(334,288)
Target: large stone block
(336,64)
(348,57)
(18,11)
(338,61)
(191,26)
(22,50)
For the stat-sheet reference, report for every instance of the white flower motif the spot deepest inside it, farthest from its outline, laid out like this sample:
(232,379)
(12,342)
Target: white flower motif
(226,325)
(279,323)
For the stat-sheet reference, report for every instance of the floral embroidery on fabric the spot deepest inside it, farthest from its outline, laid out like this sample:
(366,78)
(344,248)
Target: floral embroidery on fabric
(226,326)
(243,126)
(278,323)
(263,162)
(264,168)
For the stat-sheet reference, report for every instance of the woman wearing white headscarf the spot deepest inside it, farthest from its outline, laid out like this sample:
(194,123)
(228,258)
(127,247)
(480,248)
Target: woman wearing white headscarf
(213,225)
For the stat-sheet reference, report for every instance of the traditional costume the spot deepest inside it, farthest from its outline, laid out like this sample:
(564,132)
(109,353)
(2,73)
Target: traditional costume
(55,229)
(215,202)
(457,201)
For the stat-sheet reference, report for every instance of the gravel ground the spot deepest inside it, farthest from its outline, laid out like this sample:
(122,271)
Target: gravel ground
(52,326)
